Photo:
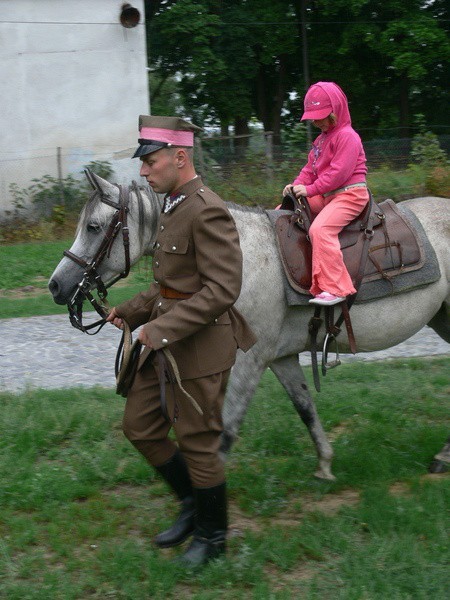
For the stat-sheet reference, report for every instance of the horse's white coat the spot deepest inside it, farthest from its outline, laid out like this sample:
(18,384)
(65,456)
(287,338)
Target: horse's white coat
(282,331)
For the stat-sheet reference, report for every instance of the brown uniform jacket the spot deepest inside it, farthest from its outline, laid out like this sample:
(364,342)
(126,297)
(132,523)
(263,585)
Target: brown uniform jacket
(197,251)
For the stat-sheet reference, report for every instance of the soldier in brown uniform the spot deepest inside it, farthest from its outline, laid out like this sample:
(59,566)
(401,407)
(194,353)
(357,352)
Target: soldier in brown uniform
(197,267)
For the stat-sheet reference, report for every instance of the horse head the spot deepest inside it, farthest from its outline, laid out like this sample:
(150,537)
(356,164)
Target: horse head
(116,227)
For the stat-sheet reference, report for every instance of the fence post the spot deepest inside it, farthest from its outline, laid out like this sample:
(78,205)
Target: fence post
(269,154)
(60,177)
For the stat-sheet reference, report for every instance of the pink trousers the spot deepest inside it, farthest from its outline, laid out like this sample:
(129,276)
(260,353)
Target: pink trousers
(331,215)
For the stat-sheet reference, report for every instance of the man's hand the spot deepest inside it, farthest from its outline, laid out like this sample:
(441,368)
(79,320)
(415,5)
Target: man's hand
(114,319)
(144,339)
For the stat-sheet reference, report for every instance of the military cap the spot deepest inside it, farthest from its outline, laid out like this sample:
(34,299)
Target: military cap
(164,132)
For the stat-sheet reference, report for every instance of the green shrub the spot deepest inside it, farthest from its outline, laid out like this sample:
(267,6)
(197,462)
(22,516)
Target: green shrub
(53,198)
(426,149)
(49,201)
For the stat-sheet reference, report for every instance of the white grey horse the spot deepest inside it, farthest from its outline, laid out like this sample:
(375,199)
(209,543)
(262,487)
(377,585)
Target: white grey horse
(282,331)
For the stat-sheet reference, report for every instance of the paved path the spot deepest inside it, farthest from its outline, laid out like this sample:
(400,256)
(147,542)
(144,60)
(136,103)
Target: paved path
(47,352)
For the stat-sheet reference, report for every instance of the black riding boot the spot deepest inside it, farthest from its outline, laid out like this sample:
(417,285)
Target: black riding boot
(175,472)
(210,529)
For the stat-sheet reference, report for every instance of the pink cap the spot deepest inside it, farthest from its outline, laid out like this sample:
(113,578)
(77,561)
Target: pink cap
(317,104)
(169,136)
(162,132)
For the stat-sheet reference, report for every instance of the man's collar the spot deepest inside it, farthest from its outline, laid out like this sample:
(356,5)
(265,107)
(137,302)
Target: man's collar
(172,201)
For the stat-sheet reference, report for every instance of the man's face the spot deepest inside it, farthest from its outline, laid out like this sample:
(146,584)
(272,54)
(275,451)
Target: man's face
(160,170)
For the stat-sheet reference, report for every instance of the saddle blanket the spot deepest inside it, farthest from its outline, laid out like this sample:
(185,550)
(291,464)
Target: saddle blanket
(374,287)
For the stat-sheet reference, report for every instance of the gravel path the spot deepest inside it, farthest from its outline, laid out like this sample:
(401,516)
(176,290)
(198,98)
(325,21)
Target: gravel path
(47,352)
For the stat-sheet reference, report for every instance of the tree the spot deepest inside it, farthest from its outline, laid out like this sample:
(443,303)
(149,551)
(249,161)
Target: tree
(240,59)
(395,53)
(233,58)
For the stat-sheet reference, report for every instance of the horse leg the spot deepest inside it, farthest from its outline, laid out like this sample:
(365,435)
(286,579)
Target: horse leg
(441,322)
(290,375)
(245,376)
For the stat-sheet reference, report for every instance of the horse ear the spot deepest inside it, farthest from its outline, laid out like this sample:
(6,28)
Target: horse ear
(99,184)
(90,177)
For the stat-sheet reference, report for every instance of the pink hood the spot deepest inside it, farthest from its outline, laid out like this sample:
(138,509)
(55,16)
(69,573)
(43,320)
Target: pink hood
(327,93)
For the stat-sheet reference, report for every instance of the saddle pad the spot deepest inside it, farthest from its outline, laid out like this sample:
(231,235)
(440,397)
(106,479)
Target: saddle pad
(421,267)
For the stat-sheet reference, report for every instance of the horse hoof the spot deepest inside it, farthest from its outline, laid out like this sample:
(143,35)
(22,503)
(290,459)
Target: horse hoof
(324,475)
(438,466)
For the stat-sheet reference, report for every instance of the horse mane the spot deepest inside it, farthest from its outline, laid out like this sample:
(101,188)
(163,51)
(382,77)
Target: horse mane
(245,208)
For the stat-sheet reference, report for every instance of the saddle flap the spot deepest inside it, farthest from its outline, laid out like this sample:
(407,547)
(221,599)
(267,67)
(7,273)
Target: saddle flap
(372,216)
(295,252)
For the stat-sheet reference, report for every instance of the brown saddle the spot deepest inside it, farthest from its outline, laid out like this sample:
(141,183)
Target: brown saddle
(379,243)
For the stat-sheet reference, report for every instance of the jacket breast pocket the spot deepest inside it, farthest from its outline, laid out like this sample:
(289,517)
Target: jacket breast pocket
(175,259)
(175,245)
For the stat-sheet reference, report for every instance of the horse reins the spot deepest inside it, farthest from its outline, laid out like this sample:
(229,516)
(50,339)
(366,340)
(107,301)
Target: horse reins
(91,278)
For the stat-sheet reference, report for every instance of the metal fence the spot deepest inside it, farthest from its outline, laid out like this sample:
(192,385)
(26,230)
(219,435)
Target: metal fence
(255,156)
(394,153)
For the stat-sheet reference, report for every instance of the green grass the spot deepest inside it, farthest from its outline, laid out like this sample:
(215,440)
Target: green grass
(26,269)
(79,506)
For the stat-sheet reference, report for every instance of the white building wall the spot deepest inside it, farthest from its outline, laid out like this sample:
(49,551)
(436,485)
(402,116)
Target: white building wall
(71,77)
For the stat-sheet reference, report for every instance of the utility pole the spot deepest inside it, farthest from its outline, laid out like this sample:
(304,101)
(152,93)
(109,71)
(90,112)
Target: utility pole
(305,61)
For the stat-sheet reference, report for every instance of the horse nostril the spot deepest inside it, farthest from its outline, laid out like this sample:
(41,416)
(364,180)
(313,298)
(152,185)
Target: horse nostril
(53,286)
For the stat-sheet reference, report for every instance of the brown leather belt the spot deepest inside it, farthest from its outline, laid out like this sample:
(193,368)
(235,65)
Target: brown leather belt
(171,294)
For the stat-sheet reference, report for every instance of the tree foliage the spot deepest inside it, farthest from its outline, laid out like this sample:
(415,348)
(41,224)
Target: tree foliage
(231,61)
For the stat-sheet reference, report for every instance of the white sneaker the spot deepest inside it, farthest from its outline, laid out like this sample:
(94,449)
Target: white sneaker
(326,299)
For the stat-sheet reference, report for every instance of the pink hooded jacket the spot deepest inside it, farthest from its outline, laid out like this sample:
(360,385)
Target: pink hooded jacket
(337,158)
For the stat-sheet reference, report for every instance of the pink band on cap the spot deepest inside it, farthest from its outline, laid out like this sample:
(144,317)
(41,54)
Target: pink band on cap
(178,138)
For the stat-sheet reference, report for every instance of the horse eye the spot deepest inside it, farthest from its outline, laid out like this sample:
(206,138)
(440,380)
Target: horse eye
(93,227)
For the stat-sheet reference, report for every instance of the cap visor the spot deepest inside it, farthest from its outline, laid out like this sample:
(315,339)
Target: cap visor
(316,115)
(147,149)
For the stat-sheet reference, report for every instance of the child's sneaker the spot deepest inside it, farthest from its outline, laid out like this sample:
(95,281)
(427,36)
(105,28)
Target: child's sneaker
(326,299)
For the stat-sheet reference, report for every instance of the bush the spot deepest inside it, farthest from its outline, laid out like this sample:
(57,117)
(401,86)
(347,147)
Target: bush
(438,181)
(426,149)
(49,201)
(53,197)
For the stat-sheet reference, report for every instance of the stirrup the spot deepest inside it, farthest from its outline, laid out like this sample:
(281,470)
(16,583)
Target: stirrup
(326,365)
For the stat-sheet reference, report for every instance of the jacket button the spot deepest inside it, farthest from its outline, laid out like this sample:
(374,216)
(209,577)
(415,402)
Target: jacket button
(162,227)
(174,248)
(164,341)
(156,264)
(158,245)
(202,190)
(159,304)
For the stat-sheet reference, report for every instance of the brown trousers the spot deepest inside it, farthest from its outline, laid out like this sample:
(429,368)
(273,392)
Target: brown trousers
(198,436)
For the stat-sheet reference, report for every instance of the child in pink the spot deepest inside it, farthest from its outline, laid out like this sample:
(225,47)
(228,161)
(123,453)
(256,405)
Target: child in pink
(334,181)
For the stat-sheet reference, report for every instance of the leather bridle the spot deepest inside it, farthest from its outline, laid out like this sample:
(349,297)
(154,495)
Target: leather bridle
(91,278)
